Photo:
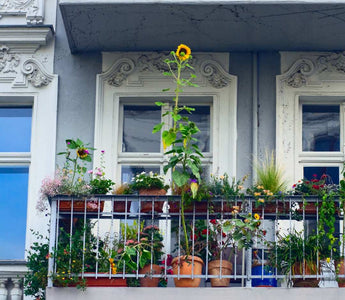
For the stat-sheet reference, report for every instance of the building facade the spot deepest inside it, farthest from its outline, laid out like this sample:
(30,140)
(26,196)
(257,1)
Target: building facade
(93,70)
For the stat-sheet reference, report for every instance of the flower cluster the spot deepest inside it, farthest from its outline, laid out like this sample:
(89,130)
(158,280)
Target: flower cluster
(147,181)
(310,187)
(221,186)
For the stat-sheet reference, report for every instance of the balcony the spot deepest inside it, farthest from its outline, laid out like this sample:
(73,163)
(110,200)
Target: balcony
(11,276)
(107,224)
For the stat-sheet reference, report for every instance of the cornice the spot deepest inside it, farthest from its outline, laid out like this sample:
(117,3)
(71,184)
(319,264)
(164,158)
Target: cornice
(24,39)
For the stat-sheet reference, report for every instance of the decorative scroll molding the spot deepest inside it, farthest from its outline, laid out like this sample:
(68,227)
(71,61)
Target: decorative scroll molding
(215,74)
(119,72)
(334,62)
(35,73)
(296,76)
(31,9)
(8,62)
(154,63)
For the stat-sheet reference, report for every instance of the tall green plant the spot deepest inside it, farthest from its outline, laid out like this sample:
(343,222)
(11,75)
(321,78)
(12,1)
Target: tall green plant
(184,151)
(270,175)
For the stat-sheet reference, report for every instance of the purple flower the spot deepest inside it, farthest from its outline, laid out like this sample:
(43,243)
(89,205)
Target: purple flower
(102,151)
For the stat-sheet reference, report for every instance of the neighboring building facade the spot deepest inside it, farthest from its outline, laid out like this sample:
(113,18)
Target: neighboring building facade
(263,69)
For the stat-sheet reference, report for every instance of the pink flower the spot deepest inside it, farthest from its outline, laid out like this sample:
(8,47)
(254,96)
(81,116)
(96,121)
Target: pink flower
(90,172)
(99,173)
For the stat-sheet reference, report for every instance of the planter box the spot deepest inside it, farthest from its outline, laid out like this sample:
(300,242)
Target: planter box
(79,205)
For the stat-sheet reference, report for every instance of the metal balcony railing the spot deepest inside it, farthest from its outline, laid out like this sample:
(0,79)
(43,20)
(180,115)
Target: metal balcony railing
(87,236)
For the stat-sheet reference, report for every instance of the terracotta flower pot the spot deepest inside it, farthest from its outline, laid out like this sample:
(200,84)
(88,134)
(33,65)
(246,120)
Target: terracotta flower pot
(187,265)
(214,269)
(147,281)
(120,206)
(79,205)
(200,207)
(146,205)
(309,269)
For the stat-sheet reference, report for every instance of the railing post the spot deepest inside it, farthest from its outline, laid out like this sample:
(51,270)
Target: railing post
(3,289)
(52,235)
(16,292)
(249,267)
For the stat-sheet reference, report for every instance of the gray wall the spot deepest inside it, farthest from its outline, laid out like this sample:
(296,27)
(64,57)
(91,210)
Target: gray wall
(263,84)
(77,90)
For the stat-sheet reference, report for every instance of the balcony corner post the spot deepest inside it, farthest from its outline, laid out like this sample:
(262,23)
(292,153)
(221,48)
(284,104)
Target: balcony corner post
(3,289)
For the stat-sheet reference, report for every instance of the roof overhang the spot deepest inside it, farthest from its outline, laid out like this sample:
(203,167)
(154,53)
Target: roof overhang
(205,25)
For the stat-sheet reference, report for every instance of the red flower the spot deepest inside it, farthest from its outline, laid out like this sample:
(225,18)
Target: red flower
(193,237)
(204,231)
(324,176)
(316,187)
(213,221)
(294,186)
(264,232)
(314,175)
(223,234)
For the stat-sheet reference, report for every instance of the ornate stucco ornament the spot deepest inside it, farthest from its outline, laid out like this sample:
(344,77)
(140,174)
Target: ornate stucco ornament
(332,62)
(35,73)
(297,74)
(215,74)
(32,9)
(120,71)
(8,61)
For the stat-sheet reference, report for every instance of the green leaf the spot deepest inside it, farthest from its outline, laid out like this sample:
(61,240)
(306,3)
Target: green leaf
(71,144)
(165,90)
(180,178)
(169,137)
(157,127)
(160,103)
(176,117)
(167,73)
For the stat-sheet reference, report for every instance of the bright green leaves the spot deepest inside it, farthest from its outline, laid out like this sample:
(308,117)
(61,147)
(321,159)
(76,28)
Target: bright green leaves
(180,178)
(158,127)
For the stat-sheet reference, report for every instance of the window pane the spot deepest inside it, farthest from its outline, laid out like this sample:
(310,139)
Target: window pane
(321,128)
(201,117)
(15,129)
(13,206)
(128,172)
(138,122)
(316,172)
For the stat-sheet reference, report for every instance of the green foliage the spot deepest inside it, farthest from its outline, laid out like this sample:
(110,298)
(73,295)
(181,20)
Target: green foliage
(35,280)
(270,176)
(148,181)
(294,248)
(221,186)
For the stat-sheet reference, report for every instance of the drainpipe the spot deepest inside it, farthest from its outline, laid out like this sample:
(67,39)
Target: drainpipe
(255,113)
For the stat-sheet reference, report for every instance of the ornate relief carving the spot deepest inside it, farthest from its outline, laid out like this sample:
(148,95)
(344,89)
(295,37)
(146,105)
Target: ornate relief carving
(31,8)
(215,74)
(35,73)
(296,76)
(153,62)
(332,62)
(8,62)
(120,71)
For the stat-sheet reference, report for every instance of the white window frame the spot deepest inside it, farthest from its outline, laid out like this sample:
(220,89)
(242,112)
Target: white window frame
(156,158)
(148,82)
(309,78)
(41,158)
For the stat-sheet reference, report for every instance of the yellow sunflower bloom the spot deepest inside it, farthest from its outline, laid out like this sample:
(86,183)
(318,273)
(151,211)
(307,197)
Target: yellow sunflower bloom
(82,152)
(183,52)
(256,217)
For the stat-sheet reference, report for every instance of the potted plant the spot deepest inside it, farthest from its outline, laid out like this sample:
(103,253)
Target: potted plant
(270,186)
(224,238)
(122,205)
(297,254)
(150,184)
(99,184)
(70,181)
(183,153)
(152,241)
(221,187)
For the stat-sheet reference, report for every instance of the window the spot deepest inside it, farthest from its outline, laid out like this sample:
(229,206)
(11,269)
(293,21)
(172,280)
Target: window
(126,112)
(322,135)
(15,137)
(140,150)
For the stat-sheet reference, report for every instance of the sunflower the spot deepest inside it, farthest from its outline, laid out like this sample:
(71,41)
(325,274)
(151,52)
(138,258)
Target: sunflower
(82,152)
(183,52)
(256,217)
